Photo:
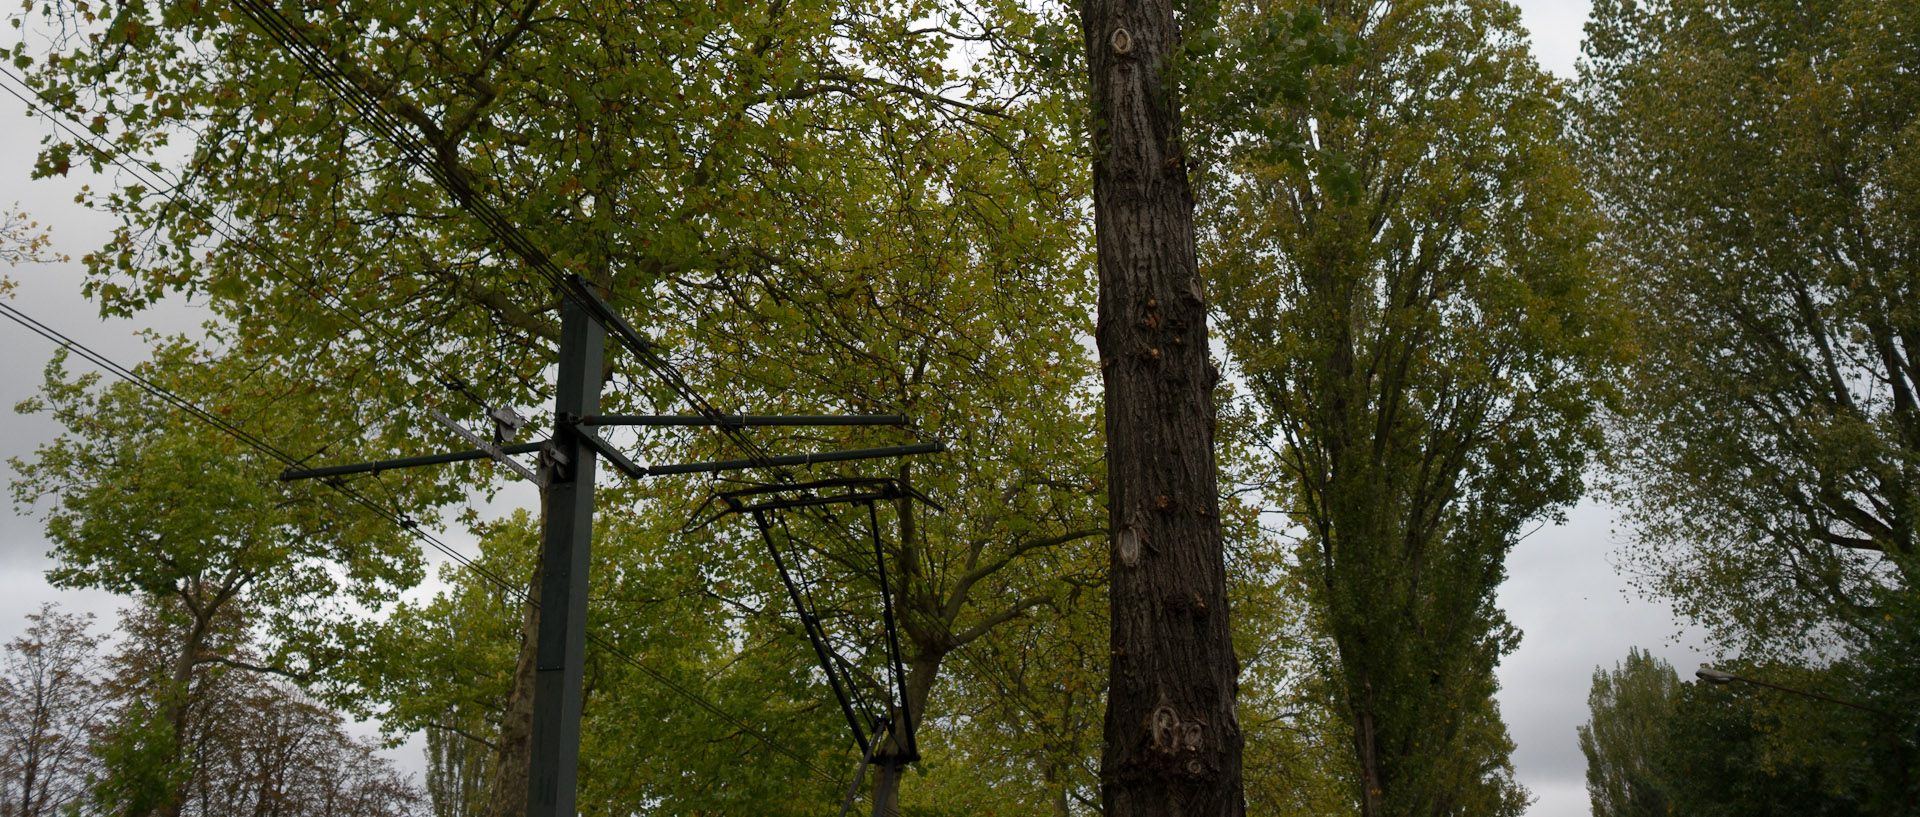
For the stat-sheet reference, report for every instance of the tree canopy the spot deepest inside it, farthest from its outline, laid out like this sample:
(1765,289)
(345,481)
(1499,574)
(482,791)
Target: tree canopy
(1756,161)
(1631,706)
(1436,273)
(804,204)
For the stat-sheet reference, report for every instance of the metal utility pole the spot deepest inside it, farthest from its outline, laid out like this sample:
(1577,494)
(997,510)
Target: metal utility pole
(567,551)
(567,543)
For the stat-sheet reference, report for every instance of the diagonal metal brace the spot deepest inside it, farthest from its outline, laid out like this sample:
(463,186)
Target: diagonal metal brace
(292,474)
(493,450)
(613,455)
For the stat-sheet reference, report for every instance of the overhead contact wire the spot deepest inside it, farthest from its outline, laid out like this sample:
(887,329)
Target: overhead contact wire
(388,342)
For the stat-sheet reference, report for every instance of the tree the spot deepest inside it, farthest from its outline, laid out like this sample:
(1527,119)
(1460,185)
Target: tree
(707,170)
(1758,165)
(1298,762)
(1630,705)
(751,182)
(21,240)
(50,706)
(87,736)
(1400,242)
(956,309)
(230,739)
(1720,756)
(1173,741)
(147,502)
(458,766)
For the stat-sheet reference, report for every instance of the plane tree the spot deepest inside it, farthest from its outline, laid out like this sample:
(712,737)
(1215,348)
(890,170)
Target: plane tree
(186,521)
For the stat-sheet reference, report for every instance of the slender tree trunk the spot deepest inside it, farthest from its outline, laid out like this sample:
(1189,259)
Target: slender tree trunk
(928,645)
(1373,784)
(1173,742)
(30,767)
(507,797)
(176,702)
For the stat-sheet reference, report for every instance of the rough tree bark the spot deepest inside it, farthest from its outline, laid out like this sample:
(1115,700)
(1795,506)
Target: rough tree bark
(507,797)
(1173,742)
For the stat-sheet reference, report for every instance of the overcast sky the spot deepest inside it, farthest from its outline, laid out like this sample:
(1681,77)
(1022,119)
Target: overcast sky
(1563,591)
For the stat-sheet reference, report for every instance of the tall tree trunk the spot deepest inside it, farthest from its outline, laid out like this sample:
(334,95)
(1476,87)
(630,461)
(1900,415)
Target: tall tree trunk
(1173,742)
(508,795)
(176,703)
(1373,782)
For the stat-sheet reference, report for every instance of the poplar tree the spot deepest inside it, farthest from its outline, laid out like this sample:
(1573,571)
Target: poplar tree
(1630,705)
(1173,741)
(1759,165)
(1400,241)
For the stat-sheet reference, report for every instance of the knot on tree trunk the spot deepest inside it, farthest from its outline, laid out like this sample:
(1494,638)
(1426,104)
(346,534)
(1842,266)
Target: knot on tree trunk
(1177,741)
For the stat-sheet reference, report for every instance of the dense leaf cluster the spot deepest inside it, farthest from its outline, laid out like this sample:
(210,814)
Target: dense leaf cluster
(1657,746)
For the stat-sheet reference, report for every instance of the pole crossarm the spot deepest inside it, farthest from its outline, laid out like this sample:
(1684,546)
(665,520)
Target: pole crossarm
(618,460)
(882,487)
(798,459)
(492,448)
(292,474)
(613,455)
(744,420)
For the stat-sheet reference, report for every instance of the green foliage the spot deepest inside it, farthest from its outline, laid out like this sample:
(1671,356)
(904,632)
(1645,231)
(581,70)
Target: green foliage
(1788,741)
(1758,161)
(1399,247)
(140,771)
(809,204)
(645,145)
(803,201)
(208,733)
(1722,756)
(1631,706)
(1887,682)
(145,500)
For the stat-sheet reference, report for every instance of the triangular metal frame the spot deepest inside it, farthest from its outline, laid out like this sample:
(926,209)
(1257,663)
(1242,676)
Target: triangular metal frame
(762,503)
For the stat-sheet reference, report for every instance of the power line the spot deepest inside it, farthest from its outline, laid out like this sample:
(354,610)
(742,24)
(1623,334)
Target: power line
(521,245)
(385,341)
(440,164)
(443,170)
(405,523)
(437,163)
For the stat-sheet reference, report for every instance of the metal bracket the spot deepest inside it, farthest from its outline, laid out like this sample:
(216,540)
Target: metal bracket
(506,422)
